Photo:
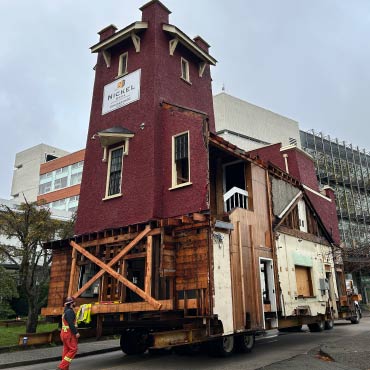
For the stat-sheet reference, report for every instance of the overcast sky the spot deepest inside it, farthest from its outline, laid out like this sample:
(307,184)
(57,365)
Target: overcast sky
(308,60)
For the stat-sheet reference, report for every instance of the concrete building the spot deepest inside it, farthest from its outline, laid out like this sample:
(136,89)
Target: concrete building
(59,181)
(27,170)
(249,126)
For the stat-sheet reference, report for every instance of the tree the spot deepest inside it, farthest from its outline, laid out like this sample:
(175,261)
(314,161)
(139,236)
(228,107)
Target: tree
(27,227)
(8,290)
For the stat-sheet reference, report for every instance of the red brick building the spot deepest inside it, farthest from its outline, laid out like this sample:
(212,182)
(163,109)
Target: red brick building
(137,142)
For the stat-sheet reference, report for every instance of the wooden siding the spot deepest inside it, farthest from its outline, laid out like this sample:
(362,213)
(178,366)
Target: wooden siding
(59,277)
(250,240)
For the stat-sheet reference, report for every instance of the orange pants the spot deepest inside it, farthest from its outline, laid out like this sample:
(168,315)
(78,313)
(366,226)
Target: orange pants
(69,349)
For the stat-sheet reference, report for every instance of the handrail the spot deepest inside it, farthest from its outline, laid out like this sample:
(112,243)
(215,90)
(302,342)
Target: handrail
(235,198)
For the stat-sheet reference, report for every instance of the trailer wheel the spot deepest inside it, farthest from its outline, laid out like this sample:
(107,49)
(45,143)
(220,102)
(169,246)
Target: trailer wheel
(133,342)
(317,326)
(356,319)
(329,324)
(244,343)
(223,347)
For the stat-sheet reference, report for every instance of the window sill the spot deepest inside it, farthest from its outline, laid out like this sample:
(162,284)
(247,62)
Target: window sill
(181,186)
(112,196)
(187,81)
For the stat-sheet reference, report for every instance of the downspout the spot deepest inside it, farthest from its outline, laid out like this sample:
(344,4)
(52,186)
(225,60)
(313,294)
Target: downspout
(285,156)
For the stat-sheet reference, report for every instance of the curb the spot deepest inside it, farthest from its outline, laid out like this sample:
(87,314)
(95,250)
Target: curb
(57,358)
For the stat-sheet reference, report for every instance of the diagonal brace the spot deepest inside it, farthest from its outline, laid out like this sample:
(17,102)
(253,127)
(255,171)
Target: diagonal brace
(113,261)
(117,276)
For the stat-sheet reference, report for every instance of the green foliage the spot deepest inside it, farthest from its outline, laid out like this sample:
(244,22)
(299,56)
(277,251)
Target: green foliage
(27,228)
(8,290)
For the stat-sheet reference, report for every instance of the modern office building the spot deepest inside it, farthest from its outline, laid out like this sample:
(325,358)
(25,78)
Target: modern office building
(345,168)
(26,173)
(59,181)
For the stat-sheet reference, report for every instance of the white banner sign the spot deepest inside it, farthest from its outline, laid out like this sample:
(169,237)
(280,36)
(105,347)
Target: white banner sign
(121,92)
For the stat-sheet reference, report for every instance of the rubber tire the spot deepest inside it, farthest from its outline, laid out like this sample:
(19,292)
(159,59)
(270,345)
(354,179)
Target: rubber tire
(245,343)
(222,347)
(133,342)
(317,327)
(356,319)
(329,324)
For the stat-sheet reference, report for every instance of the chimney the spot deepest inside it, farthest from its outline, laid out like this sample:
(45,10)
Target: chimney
(329,192)
(201,43)
(107,32)
(155,11)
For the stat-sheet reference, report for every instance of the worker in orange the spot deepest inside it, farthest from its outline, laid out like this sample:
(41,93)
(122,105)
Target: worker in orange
(69,334)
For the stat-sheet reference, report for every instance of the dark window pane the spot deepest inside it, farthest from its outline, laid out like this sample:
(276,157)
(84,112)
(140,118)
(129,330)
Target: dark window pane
(115,172)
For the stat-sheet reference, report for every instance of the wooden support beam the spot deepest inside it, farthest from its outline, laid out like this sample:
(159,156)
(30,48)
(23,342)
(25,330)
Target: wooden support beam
(120,255)
(114,239)
(199,217)
(135,256)
(149,266)
(73,273)
(117,276)
(241,261)
(186,219)
(255,274)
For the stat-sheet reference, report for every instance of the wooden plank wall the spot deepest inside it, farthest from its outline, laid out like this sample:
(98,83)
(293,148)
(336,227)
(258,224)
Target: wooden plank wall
(251,236)
(192,259)
(59,277)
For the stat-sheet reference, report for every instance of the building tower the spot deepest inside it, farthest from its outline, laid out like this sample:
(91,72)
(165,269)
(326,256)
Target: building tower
(137,149)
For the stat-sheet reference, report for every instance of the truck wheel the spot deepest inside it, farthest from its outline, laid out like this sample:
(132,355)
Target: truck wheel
(329,324)
(356,319)
(317,326)
(223,347)
(244,343)
(133,342)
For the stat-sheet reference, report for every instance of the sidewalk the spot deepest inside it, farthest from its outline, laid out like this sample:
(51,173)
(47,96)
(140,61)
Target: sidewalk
(33,356)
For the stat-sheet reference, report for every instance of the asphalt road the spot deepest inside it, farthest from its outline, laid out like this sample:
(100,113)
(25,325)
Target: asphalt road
(282,351)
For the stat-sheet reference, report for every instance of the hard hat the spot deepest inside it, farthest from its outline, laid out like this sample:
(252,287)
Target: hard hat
(69,300)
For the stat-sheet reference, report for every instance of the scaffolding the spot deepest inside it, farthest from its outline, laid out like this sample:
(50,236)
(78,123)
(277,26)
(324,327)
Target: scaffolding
(345,168)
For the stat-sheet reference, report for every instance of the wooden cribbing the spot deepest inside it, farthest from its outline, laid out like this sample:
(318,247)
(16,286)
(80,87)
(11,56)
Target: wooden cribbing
(120,255)
(117,276)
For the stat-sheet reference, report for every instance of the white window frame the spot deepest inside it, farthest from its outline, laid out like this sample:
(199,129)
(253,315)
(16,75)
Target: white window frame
(108,173)
(122,68)
(175,185)
(187,70)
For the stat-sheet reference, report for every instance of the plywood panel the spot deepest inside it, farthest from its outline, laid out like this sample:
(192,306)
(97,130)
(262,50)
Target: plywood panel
(254,242)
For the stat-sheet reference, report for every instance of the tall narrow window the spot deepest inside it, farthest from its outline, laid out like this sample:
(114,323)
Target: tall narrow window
(181,165)
(122,64)
(185,70)
(114,172)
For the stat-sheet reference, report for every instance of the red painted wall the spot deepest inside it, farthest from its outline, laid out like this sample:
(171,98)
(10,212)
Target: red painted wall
(147,167)
(302,168)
